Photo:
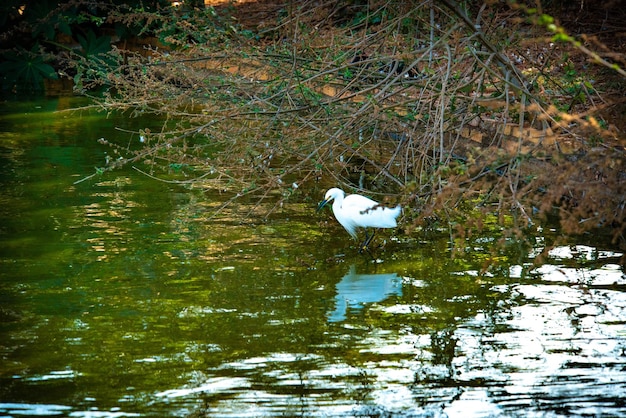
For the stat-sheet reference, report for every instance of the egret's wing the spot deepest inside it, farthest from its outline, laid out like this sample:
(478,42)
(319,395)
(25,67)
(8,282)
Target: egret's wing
(365,212)
(362,203)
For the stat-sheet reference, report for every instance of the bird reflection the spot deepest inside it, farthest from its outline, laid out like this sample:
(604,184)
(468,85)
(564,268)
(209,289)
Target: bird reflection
(354,290)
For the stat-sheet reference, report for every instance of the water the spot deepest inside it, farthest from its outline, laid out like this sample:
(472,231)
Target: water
(121,296)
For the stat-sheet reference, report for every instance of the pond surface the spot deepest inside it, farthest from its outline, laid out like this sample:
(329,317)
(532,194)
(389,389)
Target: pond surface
(121,296)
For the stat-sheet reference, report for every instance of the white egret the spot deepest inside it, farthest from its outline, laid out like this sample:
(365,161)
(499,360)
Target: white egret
(357,211)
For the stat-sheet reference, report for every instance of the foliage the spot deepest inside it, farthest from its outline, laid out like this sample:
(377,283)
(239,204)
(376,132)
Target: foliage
(65,36)
(27,67)
(96,59)
(462,114)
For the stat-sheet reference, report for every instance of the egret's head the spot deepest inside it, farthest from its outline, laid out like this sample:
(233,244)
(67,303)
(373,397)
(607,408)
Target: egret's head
(331,194)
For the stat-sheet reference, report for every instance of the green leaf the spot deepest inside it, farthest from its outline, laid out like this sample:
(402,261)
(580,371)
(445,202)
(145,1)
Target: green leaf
(26,69)
(93,45)
(545,19)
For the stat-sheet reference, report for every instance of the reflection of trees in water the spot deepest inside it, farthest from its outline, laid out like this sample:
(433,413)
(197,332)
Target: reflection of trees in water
(443,347)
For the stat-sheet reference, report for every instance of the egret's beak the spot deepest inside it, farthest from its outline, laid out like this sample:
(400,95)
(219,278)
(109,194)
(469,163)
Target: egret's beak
(322,204)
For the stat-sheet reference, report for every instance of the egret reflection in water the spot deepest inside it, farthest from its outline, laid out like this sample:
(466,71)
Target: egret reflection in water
(354,290)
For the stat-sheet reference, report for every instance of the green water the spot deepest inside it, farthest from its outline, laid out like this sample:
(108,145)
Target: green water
(122,296)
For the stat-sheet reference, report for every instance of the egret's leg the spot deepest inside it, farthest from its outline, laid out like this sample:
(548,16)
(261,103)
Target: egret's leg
(366,243)
(363,245)
(369,239)
(367,250)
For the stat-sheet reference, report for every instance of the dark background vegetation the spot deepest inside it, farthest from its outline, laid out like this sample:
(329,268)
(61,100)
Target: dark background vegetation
(471,114)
